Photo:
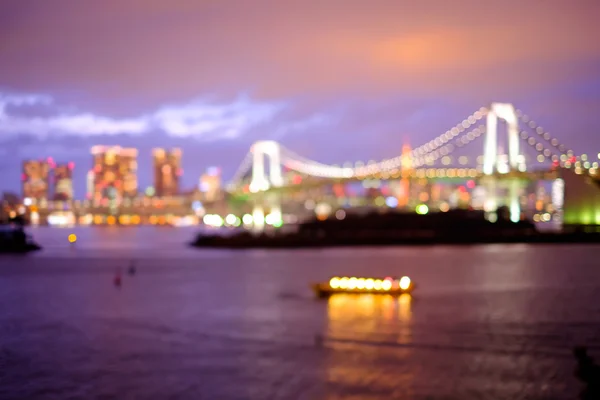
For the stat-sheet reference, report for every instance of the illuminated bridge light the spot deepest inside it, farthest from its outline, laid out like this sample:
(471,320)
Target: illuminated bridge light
(422,209)
(230,219)
(247,219)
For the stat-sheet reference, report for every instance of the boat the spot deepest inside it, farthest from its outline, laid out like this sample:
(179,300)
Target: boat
(13,239)
(354,285)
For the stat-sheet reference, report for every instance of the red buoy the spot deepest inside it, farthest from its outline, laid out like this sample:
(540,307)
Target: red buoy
(117,280)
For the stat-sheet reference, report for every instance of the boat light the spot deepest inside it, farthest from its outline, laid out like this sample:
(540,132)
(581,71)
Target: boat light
(334,282)
(404,282)
(343,284)
(386,285)
(352,283)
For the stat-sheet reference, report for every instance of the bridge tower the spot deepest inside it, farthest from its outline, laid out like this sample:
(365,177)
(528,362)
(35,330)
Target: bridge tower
(407,167)
(507,113)
(260,182)
(259,150)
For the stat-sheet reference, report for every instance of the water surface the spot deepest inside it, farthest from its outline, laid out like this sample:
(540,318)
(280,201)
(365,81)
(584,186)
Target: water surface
(494,321)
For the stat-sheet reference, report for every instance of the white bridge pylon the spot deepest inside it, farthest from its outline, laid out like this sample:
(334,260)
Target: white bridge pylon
(259,150)
(508,113)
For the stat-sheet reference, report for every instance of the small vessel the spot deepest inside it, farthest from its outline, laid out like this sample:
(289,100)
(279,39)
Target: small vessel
(354,285)
(117,279)
(131,271)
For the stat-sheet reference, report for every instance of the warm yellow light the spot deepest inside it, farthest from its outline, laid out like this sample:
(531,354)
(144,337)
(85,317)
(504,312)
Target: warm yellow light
(72,238)
(135,219)
(404,282)
(386,285)
(334,282)
(360,284)
(111,220)
(352,283)
(343,283)
(369,284)
(377,284)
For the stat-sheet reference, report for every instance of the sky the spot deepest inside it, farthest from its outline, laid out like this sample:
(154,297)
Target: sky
(332,80)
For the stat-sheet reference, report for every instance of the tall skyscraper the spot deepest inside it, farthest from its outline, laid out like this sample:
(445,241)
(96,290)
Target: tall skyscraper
(63,181)
(35,179)
(115,172)
(167,171)
(210,183)
(90,184)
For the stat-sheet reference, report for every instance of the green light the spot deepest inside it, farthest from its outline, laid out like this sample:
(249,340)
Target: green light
(278,224)
(422,209)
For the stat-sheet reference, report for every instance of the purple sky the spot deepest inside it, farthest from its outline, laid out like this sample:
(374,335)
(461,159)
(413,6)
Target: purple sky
(333,80)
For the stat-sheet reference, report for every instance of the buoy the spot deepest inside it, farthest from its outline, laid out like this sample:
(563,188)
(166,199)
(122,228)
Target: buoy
(132,269)
(117,280)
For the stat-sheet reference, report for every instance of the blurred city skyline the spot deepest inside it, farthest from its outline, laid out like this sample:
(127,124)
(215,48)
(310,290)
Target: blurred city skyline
(335,81)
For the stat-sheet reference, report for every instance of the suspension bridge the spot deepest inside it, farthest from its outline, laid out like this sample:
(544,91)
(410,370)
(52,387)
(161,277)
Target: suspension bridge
(502,176)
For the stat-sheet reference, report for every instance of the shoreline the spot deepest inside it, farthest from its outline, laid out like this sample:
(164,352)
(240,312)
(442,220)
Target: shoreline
(246,241)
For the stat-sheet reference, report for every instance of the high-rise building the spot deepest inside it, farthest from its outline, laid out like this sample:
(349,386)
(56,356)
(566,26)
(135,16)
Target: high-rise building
(35,179)
(90,184)
(63,181)
(210,183)
(167,171)
(115,172)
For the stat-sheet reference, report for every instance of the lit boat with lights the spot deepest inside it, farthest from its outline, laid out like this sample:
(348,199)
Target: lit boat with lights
(354,285)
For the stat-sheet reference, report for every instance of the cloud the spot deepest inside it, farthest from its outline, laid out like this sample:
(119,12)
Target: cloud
(19,100)
(198,118)
(212,121)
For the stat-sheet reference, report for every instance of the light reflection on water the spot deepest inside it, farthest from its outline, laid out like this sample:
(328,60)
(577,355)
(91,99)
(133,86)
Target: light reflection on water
(366,316)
